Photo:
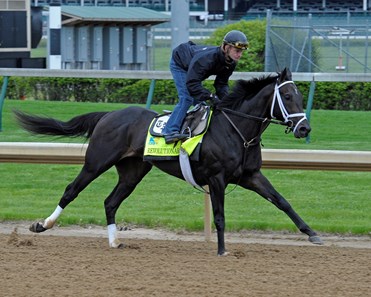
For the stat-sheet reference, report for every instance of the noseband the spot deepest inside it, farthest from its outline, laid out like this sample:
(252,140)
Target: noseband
(285,114)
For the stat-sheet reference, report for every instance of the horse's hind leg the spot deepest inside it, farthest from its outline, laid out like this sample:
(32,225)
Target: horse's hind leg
(130,171)
(260,184)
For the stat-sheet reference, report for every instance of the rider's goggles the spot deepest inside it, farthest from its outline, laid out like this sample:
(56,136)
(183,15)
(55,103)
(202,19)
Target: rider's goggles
(239,45)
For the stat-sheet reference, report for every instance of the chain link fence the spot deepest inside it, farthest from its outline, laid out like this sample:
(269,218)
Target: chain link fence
(318,43)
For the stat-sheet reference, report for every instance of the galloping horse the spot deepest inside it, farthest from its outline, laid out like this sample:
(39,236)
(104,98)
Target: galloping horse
(230,151)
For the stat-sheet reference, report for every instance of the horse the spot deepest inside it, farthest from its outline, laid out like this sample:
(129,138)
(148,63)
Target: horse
(230,152)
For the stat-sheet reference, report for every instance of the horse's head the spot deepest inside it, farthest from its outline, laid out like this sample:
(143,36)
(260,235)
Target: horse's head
(287,105)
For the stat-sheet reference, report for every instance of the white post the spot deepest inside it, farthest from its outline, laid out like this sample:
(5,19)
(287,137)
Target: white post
(226,16)
(54,35)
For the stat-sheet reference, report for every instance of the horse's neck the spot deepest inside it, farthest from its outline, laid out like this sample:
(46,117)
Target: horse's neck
(259,105)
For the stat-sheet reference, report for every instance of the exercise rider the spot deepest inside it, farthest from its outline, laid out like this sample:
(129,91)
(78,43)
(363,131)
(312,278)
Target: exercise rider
(190,65)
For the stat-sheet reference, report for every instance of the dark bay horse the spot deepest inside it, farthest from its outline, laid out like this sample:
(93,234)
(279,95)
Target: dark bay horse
(230,151)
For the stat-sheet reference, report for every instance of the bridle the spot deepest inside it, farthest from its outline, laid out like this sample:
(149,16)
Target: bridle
(285,114)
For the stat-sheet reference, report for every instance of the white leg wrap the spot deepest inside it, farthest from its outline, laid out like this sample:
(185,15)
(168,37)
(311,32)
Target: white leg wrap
(112,234)
(50,221)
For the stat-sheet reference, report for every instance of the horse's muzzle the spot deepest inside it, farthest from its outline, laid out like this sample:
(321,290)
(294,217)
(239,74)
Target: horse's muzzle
(302,130)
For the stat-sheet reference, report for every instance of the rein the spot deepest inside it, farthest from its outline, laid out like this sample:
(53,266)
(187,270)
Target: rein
(246,143)
(247,116)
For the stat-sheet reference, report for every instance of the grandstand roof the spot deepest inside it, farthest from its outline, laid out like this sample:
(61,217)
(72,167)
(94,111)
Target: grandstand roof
(112,15)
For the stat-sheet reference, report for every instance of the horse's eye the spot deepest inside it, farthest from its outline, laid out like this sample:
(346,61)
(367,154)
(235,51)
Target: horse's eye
(287,96)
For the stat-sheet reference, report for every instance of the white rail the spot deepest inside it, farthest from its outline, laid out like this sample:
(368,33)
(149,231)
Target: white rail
(142,74)
(73,153)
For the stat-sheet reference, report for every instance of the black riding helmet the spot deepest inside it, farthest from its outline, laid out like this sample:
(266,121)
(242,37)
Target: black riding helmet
(236,39)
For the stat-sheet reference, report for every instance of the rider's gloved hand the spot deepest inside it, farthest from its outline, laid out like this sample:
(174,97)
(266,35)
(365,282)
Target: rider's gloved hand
(214,100)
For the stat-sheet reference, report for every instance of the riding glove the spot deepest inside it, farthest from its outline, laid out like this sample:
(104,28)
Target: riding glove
(214,100)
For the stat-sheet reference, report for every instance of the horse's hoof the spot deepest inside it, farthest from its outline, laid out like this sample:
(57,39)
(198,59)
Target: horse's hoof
(37,227)
(315,240)
(121,246)
(116,244)
(224,254)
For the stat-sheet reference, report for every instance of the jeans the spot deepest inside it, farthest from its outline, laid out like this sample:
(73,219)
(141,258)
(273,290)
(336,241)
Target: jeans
(185,100)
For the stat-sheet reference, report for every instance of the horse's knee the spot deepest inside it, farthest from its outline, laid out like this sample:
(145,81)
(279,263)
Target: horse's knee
(219,223)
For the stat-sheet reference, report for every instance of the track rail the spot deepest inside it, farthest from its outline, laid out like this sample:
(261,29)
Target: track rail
(73,153)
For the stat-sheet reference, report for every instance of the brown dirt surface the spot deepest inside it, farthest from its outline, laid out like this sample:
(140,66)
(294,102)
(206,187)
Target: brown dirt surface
(76,261)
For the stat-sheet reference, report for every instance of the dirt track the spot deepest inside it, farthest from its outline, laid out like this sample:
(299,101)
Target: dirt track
(76,261)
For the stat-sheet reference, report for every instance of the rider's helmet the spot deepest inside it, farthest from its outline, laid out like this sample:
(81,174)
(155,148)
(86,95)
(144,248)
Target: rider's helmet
(236,39)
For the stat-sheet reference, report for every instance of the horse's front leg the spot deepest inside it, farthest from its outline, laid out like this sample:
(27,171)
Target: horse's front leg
(70,193)
(217,201)
(260,184)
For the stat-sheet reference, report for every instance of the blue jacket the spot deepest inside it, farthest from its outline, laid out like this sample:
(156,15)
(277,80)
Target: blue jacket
(200,62)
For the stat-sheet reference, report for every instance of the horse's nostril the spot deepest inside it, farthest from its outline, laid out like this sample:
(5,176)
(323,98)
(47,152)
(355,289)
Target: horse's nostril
(305,128)
(303,131)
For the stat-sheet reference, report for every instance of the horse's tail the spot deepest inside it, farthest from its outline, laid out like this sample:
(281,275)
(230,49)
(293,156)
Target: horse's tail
(82,125)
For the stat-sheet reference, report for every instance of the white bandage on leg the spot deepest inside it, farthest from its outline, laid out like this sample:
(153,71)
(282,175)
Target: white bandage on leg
(50,221)
(112,234)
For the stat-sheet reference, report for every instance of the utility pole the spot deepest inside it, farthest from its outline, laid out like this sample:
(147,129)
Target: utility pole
(179,22)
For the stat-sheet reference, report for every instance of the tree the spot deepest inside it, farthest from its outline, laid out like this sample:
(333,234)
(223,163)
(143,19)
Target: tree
(253,61)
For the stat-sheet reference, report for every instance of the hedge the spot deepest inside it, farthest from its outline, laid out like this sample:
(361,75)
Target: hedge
(328,95)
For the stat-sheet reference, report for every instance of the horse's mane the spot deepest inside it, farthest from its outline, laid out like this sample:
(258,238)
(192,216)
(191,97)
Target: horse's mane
(244,90)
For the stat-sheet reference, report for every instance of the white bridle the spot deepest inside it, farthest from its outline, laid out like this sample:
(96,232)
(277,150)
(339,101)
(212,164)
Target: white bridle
(285,114)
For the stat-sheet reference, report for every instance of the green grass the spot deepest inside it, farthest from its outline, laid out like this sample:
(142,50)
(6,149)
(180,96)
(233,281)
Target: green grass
(161,55)
(41,50)
(329,57)
(328,201)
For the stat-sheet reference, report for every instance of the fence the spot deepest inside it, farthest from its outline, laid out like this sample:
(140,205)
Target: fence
(318,42)
(74,153)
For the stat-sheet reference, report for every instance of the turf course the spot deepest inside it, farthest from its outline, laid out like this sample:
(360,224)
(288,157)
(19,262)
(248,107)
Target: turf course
(329,201)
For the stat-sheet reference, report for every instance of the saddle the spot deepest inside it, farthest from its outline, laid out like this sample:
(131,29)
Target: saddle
(195,122)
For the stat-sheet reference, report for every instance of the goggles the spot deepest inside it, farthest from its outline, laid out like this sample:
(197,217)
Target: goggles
(239,45)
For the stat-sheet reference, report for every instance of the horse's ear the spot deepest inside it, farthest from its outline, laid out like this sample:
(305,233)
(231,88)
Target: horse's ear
(288,74)
(285,75)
